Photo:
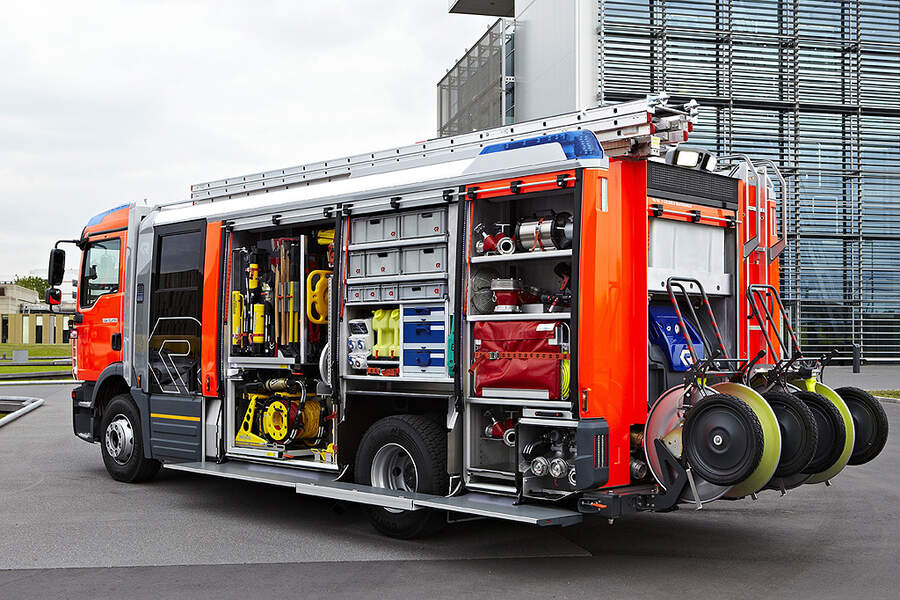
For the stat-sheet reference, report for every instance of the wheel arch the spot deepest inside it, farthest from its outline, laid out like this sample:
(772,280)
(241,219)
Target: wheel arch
(110,383)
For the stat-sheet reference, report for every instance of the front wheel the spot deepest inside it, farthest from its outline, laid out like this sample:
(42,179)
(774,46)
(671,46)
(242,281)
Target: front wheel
(406,453)
(121,442)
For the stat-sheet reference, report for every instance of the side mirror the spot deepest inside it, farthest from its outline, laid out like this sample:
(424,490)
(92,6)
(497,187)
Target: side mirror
(52,296)
(57,268)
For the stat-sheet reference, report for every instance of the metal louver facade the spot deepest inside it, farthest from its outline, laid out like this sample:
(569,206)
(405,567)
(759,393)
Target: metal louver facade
(815,86)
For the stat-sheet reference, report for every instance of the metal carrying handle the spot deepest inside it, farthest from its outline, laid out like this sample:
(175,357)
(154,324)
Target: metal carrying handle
(673,282)
(760,292)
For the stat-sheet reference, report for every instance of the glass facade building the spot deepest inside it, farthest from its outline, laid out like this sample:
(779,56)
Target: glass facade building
(812,84)
(815,86)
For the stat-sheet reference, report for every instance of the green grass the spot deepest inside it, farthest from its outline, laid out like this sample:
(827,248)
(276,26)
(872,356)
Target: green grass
(37,349)
(34,351)
(886,393)
(35,368)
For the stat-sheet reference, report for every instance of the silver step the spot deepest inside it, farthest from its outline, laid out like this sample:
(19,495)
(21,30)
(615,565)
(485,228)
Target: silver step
(322,485)
(633,128)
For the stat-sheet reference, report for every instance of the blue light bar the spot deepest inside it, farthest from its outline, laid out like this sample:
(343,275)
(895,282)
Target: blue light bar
(576,144)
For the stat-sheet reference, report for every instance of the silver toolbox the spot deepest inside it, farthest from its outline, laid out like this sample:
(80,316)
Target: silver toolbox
(431,259)
(374,229)
(382,262)
(424,223)
(356,265)
(389,292)
(425,289)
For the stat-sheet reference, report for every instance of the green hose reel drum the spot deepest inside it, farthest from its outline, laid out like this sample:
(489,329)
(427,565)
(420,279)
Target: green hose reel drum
(820,388)
(771,452)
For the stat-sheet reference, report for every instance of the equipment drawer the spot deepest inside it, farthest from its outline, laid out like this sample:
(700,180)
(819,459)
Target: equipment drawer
(356,293)
(372,293)
(382,262)
(416,291)
(374,229)
(423,357)
(388,291)
(356,266)
(423,313)
(424,223)
(424,260)
(423,332)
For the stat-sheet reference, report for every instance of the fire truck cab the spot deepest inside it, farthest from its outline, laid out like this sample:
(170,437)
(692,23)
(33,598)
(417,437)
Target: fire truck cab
(559,318)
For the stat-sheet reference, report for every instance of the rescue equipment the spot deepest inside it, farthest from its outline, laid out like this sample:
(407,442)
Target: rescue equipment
(494,243)
(506,295)
(550,232)
(317,296)
(518,359)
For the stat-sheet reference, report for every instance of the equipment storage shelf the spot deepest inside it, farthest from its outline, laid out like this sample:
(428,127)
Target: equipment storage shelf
(492,441)
(517,328)
(533,255)
(520,317)
(396,341)
(434,239)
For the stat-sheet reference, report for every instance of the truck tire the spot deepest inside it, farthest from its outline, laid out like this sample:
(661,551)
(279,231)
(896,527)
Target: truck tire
(830,429)
(404,452)
(870,422)
(121,442)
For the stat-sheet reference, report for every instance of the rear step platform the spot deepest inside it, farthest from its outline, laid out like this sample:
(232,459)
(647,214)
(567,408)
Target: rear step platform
(322,484)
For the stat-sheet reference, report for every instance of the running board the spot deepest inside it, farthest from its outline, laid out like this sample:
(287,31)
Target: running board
(322,485)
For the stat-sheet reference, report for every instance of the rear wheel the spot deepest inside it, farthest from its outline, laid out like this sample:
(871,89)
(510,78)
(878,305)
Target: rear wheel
(799,435)
(406,453)
(869,421)
(830,429)
(723,439)
(121,442)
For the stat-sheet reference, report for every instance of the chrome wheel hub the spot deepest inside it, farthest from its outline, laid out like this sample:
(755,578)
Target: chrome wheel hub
(119,439)
(393,468)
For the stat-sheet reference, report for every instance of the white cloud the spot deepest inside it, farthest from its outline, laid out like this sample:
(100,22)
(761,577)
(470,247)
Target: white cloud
(102,103)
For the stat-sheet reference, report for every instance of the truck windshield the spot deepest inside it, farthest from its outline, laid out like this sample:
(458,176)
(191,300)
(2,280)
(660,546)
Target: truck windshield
(100,271)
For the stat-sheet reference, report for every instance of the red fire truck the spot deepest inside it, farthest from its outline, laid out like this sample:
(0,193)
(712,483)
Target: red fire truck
(571,316)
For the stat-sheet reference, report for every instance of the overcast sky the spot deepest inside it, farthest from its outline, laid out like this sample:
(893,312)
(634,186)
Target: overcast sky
(103,103)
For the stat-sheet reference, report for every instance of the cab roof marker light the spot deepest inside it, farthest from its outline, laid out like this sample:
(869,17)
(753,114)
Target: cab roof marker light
(575,144)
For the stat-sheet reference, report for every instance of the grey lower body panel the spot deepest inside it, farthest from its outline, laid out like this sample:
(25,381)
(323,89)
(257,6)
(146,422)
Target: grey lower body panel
(313,483)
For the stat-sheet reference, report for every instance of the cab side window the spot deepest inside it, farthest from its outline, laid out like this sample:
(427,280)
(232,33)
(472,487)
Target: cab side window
(100,271)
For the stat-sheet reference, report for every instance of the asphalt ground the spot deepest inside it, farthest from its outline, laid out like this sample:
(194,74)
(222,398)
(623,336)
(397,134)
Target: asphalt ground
(69,531)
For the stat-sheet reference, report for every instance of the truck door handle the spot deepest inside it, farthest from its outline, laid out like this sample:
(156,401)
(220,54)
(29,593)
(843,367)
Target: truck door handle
(116,341)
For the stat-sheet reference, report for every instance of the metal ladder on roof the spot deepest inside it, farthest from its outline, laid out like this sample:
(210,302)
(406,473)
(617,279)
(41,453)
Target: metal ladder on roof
(637,128)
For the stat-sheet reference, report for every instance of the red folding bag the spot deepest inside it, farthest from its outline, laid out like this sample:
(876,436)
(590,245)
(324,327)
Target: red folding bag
(536,369)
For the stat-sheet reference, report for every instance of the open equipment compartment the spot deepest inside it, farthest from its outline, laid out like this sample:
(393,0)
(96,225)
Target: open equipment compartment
(519,309)
(398,321)
(277,406)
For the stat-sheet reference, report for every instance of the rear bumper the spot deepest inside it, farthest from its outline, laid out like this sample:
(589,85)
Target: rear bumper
(83,412)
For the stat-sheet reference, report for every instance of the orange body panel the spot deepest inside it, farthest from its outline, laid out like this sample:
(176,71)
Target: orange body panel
(100,321)
(117,218)
(756,270)
(671,208)
(531,183)
(209,317)
(612,306)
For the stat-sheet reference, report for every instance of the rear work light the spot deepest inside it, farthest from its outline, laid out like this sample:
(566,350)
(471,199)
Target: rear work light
(576,144)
